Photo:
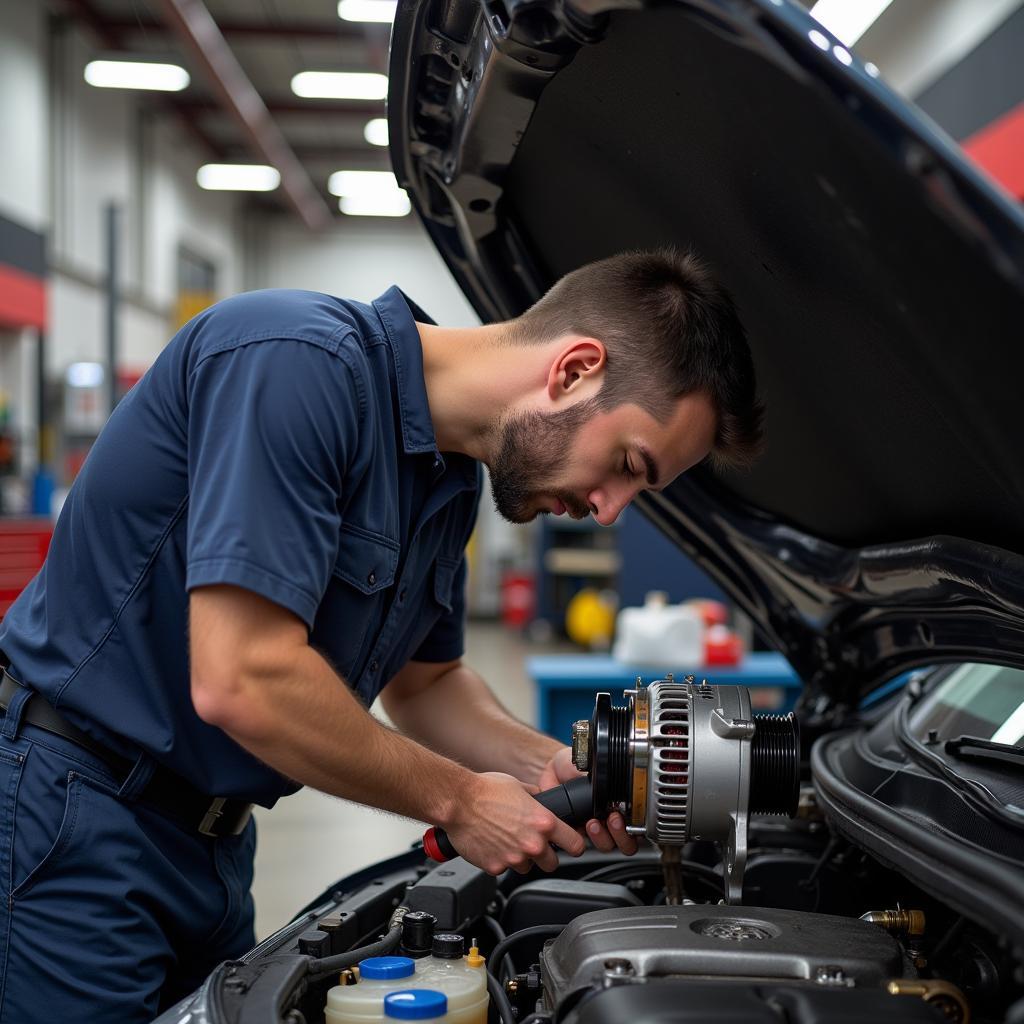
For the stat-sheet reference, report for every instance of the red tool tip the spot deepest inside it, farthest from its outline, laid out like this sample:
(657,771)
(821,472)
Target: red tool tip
(431,847)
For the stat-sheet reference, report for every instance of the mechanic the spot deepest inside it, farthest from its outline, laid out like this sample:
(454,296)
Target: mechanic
(268,530)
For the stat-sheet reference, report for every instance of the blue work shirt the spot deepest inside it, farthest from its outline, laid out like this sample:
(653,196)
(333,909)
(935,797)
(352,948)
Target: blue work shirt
(282,442)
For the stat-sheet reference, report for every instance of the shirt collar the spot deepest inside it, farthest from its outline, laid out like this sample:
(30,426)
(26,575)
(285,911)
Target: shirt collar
(398,314)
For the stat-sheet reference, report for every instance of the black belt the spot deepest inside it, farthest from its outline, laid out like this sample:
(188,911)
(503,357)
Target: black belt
(211,816)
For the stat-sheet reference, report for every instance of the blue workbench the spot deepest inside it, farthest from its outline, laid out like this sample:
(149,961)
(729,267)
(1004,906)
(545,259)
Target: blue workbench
(566,683)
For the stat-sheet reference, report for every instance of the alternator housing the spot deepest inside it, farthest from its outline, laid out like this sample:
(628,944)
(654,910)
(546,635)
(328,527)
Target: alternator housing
(686,761)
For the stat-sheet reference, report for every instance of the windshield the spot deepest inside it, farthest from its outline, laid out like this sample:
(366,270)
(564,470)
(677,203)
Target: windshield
(974,700)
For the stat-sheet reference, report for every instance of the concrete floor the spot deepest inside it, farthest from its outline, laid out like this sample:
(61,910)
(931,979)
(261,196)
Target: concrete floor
(309,840)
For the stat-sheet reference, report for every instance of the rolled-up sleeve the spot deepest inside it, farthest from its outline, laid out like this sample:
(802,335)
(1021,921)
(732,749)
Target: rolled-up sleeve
(272,426)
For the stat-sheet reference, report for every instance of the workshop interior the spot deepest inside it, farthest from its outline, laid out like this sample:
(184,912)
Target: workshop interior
(801,683)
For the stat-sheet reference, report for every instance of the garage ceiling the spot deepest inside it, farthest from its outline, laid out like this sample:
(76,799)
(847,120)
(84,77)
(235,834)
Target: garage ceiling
(271,40)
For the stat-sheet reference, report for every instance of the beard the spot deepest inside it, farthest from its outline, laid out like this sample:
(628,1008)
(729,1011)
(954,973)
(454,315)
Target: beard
(532,446)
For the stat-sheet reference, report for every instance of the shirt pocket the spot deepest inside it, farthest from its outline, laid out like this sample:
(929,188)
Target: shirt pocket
(445,569)
(366,560)
(353,609)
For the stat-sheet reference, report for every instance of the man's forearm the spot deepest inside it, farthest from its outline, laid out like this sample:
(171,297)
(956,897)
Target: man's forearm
(254,675)
(459,716)
(307,725)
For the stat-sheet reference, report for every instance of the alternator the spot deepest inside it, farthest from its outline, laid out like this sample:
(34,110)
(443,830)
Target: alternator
(686,761)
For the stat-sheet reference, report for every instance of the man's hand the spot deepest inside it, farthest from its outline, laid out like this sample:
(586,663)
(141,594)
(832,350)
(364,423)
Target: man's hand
(499,825)
(605,836)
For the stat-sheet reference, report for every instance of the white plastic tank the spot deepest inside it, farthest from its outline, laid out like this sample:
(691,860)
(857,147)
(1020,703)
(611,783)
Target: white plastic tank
(463,986)
(660,634)
(448,971)
(379,976)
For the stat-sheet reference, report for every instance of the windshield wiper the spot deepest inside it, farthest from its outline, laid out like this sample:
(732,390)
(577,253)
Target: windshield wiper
(975,748)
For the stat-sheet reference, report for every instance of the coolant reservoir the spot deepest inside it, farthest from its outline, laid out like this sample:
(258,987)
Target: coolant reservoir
(659,633)
(448,971)
(379,976)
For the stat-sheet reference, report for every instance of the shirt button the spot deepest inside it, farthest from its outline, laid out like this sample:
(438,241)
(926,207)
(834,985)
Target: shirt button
(372,578)
(374,665)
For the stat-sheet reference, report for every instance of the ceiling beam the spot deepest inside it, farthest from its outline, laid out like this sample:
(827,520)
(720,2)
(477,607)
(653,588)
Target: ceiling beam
(368,155)
(341,154)
(356,108)
(196,28)
(255,30)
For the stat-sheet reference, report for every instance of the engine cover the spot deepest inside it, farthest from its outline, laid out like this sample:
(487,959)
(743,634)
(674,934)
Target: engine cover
(697,1002)
(718,941)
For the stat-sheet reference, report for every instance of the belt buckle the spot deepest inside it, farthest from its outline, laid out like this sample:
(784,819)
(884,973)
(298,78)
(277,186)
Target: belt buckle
(217,823)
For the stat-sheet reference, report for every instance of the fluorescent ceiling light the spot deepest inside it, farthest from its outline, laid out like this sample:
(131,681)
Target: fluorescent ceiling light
(369,194)
(362,183)
(135,74)
(238,177)
(376,131)
(367,10)
(391,204)
(85,375)
(340,85)
(848,20)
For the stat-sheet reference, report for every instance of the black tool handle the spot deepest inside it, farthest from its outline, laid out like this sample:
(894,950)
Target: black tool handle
(573,803)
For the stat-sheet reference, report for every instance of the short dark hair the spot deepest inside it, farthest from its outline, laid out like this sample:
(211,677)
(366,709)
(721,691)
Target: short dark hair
(669,330)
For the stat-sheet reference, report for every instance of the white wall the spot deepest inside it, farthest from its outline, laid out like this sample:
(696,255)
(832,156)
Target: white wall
(67,150)
(105,151)
(24,180)
(359,259)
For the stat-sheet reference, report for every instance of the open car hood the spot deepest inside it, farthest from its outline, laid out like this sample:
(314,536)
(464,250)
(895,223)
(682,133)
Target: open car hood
(880,277)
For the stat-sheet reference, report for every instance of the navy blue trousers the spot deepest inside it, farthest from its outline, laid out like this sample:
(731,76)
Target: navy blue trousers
(111,911)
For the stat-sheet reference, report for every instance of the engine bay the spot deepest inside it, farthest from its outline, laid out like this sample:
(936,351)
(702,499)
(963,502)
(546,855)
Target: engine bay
(750,899)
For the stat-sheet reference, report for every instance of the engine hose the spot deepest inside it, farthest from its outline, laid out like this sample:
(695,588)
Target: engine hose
(694,869)
(324,966)
(505,945)
(506,1015)
(499,936)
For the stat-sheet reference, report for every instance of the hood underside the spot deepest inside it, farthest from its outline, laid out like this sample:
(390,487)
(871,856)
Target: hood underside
(879,275)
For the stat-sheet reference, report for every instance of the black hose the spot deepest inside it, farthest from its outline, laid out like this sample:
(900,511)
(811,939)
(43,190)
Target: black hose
(500,936)
(687,867)
(505,945)
(340,961)
(506,1015)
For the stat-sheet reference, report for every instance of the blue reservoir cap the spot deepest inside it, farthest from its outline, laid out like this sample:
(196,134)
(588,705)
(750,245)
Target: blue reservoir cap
(415,1004)
(384,967)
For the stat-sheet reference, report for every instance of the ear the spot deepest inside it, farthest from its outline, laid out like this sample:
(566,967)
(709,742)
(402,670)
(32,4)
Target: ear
(580,361)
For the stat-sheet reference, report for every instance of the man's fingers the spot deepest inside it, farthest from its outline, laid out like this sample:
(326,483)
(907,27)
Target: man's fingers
(623,840)
(566,837)
(611,835)
(600,836)
(547,861)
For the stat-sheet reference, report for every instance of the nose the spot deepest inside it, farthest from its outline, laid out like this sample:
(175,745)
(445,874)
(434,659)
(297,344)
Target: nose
(607,503)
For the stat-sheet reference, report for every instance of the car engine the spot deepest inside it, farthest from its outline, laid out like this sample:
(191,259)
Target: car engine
(744,903)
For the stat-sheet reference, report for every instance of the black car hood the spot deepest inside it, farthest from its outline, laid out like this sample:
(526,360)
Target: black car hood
(879,275)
